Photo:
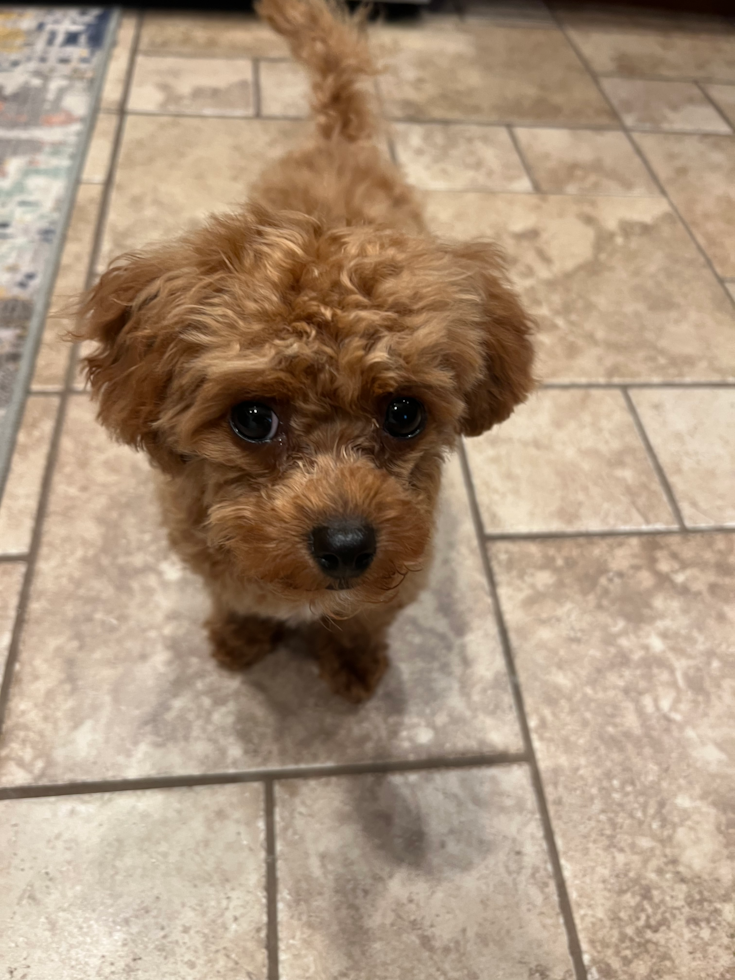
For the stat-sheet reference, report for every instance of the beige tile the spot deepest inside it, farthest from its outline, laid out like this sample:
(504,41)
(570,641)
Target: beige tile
(459,157)
(486,73)
(11,582)
(99,154)
(625,655)
(646,104)
(724,96)
(421,876)
(668,54)
(693,435)
(619,289)
(284,89)
(698,173)
(584,161)
(53,353)
(134,885)
(731,288)
(23,487)
(114,637)
(192,86)
(117,69)
(228,35)
(567,460)
(173,171)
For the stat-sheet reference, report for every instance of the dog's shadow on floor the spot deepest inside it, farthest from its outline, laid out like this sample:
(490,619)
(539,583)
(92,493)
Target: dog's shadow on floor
(420,829)
(308,725)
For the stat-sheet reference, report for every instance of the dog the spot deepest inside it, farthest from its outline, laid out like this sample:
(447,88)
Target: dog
(298,370)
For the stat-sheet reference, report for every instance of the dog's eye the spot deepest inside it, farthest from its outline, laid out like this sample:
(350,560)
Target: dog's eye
(404,418)
(253,421)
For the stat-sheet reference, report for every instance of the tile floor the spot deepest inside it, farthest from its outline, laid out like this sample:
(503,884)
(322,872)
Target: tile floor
(544,786)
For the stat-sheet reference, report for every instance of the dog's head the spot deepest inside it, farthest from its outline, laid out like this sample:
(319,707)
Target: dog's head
(304,384)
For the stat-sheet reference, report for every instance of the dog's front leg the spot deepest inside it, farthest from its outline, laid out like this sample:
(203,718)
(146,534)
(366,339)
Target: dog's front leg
(352,655)
(238,641)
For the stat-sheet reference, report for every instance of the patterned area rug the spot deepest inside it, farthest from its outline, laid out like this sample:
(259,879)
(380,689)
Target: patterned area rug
(49,61)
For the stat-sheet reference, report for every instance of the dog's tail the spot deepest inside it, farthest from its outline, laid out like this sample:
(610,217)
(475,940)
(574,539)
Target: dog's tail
(332,46)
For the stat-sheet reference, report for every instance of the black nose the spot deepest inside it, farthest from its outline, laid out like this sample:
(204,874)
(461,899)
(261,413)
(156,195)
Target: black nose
(343,549)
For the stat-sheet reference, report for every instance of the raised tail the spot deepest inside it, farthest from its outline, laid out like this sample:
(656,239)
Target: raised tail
(328,41)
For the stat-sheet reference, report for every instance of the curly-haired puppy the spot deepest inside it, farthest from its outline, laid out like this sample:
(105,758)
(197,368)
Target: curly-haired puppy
(298,369)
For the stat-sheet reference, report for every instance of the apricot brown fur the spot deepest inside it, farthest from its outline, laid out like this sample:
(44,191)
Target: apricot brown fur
(323,297)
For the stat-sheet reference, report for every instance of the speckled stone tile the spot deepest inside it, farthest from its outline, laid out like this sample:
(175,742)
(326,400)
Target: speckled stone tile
(117,69)
(228,35)
(677,106)
(114,641)
(284,89)
(174,171)
(134,884)
(619,289)
(724,97)
(693,434)
(421,876)
(584,161)
(459,157)
(731,288)
(53,353)
(483,72)
(698,173)
(99,154)
(567,460)
(11,582)
(192,86)
(683,55)
(22,490)
(625,655)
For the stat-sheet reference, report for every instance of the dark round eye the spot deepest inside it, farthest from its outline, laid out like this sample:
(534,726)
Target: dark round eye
(404,418)
(253,421)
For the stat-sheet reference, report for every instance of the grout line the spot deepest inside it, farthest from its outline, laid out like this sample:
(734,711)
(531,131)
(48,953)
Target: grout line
(565,906)
(697,244)
(104,207)
(524,162)
(658,131)
(53,451)
(325,771)
(10,558)
(655,462)
(386,125)
(716,107)
(644,160)
(496,124)
(211,56)
(238,115)
(642,77)
(271,882)
(616,532)
(551,385)
(257,100)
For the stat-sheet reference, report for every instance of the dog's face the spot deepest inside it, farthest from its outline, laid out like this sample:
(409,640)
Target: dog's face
(302,385)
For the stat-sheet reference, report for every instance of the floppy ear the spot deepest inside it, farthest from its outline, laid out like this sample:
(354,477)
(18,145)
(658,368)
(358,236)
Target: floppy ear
(507,351)
(131,367)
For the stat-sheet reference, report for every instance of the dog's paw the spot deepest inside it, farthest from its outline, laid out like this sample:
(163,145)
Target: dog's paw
(240,641)
(352,672)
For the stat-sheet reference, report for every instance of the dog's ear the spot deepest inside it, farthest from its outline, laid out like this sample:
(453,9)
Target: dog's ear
(131,367)
(507,352)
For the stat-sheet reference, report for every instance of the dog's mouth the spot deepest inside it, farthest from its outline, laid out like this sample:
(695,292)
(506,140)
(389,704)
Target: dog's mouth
(341,586)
